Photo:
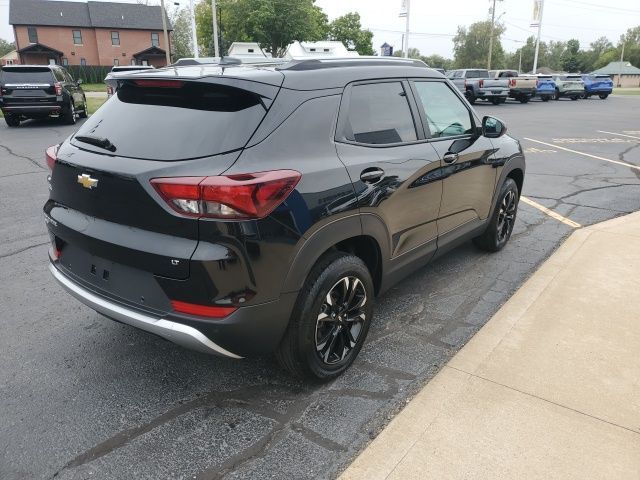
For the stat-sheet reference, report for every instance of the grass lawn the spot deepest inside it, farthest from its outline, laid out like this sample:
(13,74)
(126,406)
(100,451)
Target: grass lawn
(94,87)
(626,91)
(94,103)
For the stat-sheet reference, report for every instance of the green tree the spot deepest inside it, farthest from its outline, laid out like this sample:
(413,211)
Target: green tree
(471,46)
(274,24)
(181,36)
(413,53)
(555,52)
(631,41)
(348,30)
(438,61)
(6,46)
(571,59)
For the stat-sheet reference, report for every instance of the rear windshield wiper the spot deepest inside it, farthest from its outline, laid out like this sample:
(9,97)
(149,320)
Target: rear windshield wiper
(97,141)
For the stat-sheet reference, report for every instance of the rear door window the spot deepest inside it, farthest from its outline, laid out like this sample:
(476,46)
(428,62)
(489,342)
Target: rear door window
(446,115)
(379,113)
(26,75)
(172,120)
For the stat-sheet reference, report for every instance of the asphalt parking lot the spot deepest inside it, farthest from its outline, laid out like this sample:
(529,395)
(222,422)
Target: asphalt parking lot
(84,397)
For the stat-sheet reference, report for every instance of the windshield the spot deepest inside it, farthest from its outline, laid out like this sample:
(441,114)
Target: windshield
(174,120)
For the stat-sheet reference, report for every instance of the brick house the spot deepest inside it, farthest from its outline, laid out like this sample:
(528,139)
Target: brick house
(92,33)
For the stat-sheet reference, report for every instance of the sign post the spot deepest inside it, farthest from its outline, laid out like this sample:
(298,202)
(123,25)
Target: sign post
(538,6)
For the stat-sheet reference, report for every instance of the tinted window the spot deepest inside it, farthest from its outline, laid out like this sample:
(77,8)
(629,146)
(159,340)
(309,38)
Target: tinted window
(58,75)
(477,74)
(193,120)
(379,113)
(446,114)
(26,75)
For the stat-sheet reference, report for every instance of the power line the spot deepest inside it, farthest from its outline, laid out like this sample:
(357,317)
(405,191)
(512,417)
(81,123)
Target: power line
(608,8)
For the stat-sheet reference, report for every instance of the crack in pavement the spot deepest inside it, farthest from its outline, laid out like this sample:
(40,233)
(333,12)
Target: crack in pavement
(5,255)
(24,157)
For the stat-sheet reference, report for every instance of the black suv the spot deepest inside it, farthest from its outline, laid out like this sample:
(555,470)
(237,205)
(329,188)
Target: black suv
(240,210)
(38,91)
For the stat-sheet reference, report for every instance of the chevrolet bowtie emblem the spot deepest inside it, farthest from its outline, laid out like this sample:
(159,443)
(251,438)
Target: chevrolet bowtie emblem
(87,182)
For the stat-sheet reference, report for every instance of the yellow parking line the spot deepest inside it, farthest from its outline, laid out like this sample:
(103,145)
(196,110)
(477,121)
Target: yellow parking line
(620,134)
(636,167)
(551,213)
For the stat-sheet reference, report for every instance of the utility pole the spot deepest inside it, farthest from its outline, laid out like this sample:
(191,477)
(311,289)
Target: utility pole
(194,36)
(406,33)
(539,19)
(214,15)
(166,34)
(520,62)
(493,21)
(621,65)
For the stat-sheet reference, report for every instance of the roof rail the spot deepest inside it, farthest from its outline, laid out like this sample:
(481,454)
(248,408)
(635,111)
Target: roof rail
(322,63)
(227,61)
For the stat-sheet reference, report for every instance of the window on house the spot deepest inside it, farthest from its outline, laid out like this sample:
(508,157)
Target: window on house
(65,61)
(116,62)
(33,34)
(83,61)
(115,38)
(133,61)
(77,37)
(155,39)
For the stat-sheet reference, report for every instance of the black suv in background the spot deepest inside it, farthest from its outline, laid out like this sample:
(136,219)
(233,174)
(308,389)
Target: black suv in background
(240,210)
(39,91)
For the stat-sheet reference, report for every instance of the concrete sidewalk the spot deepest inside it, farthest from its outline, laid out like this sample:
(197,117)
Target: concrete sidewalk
(548,389)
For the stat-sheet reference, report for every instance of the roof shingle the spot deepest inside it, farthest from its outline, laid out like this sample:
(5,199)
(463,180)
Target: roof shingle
(90,14)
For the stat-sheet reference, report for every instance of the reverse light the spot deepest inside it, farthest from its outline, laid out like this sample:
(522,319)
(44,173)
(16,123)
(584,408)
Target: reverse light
(215,311)
(233,197)
(50,156)
(58,88)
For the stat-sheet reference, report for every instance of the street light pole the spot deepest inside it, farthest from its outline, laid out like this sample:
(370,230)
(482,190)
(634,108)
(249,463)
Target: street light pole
(406,33)
(216,47)
(535,56)
(194,35)
(493,21)
(166,34)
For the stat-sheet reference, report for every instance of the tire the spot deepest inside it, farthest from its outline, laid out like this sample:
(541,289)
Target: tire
(557,95)
(495,101)
(12,120)
(503,100)
(545,98)
(603,96)
(523,99)
(84,113)
(301,351)
(500,227)
(575,97)
(69,115)
(471,98)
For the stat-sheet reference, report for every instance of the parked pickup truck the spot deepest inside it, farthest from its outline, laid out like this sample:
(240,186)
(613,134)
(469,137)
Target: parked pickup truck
(476,85)
(546,89)
(600,85)
(570,86)
(521,87)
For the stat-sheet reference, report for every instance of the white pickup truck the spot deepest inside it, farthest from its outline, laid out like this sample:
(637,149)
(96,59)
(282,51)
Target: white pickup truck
(476,84)
(521,87)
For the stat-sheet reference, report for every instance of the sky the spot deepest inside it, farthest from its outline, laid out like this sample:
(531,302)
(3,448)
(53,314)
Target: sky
(433,23)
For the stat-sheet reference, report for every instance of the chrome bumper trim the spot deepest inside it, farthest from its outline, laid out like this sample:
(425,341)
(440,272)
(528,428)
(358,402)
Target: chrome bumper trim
(183,335)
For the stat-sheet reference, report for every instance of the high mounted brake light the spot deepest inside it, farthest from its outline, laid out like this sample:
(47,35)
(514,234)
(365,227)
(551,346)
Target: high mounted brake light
(159,83)
(234,197)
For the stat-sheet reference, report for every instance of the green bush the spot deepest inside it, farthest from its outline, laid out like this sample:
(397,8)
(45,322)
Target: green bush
(88,73)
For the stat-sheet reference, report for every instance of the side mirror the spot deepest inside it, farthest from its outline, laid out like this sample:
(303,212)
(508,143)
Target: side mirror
(492,127)
(79,82)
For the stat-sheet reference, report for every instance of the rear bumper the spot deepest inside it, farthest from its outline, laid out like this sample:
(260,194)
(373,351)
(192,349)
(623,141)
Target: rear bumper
(598,90)
(492,93)
(248,331)
(177,333)
(522,92)
(31,109)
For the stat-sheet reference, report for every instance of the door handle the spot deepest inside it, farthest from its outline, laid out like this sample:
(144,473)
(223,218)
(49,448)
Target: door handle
(371,175)
(450,157)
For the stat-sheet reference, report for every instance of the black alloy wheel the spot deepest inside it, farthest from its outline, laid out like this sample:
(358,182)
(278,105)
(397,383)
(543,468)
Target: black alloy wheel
(506,216)
(341,320)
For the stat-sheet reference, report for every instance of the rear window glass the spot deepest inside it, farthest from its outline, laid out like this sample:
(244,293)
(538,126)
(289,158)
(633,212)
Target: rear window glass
(477,74)
(26,75)
(180,121)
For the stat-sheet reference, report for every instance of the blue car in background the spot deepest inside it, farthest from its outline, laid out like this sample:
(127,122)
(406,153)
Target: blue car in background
(546,87)
(600,85)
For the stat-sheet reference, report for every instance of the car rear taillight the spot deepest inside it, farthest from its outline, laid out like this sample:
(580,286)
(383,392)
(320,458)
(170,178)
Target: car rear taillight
(537,83)
(50,156)
(234,197)
(109,90)
(58,88)
(481,84)
(512,82)
(211,311)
